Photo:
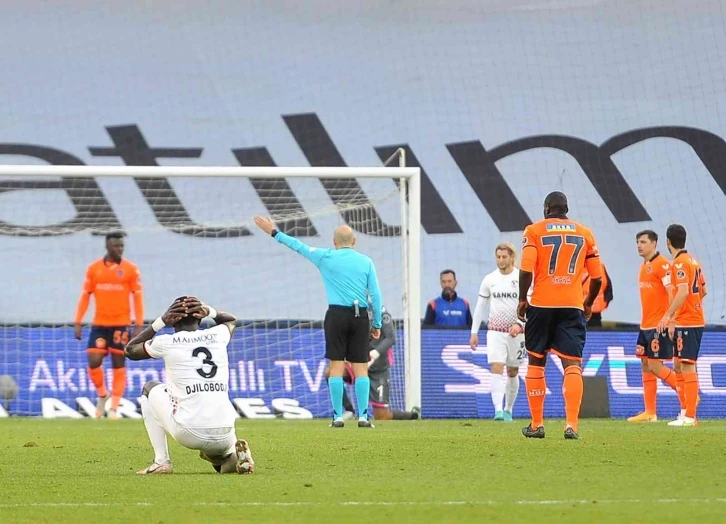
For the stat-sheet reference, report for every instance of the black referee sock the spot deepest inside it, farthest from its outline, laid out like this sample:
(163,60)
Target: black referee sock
(347,404)
(402,415)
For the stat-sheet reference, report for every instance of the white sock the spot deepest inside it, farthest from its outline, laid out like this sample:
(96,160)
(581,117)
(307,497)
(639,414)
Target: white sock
(157,435)
(230,465)
(497,391)
(511,392)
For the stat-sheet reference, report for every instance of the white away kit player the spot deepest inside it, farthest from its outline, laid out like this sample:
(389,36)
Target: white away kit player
(193,406)
(505,338)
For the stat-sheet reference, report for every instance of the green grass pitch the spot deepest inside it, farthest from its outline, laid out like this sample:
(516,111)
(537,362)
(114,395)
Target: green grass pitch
(419,471)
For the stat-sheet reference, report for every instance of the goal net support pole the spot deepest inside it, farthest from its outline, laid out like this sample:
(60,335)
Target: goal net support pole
(412,277)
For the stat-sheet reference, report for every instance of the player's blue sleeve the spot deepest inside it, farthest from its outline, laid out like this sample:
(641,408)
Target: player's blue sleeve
(375,292)
(313,254)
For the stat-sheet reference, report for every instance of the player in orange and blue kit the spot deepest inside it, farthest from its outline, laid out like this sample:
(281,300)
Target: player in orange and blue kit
(555,253)
(685,321)
(653,347)
(110,280)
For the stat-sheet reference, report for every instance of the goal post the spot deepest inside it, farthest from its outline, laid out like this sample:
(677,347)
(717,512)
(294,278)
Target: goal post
(190,229)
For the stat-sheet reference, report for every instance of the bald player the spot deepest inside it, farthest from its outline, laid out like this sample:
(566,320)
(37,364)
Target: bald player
(555,252)
(348,276)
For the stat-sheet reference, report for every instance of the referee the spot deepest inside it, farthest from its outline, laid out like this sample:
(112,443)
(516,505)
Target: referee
(348,277)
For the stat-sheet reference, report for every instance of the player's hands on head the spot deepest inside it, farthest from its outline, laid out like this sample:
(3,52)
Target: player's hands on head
(196,308)
(474,341)
(77,331)
(522,310)
(176,312)
(266,224)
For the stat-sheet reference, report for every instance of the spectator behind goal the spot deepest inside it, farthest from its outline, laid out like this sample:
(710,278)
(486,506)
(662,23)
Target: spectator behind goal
(448,309)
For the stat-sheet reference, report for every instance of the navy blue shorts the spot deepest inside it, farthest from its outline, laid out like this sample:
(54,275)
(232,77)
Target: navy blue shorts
(654,345)
(562,330)
(104,339)
(688,343)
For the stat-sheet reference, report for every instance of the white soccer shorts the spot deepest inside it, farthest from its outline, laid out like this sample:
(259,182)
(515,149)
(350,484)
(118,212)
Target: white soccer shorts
(214,442)
(503,349)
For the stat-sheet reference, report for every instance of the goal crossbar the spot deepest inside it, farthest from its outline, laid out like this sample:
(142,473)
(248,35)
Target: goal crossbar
(208,171)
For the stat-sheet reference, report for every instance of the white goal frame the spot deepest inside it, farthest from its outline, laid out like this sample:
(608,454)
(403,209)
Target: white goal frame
(410,184)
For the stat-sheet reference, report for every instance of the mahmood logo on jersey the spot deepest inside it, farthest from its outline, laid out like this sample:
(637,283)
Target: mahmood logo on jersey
(203,337)
(561,227)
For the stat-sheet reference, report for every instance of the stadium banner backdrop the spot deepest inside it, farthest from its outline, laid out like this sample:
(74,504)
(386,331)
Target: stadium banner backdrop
(274,374)
(616,103)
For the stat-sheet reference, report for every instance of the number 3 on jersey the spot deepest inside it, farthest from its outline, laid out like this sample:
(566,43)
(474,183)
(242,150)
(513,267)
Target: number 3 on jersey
(207,361)
(556,242)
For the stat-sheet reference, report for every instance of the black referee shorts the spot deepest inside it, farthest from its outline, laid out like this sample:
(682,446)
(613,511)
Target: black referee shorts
(347,337)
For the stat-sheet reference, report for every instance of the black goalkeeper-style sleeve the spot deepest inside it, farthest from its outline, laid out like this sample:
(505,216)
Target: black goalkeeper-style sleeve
(388,337)
(608,293)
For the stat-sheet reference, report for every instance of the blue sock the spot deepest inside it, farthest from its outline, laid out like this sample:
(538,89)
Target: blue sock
(362,393)
(336,387)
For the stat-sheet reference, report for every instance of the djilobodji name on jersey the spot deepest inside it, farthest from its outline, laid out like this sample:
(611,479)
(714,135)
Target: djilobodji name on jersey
(205,386)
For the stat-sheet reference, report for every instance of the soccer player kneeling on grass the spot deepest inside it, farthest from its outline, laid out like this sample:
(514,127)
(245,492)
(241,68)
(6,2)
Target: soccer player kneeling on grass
(193,406)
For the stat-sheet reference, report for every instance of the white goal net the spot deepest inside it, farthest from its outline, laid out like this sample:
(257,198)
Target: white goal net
(190,231)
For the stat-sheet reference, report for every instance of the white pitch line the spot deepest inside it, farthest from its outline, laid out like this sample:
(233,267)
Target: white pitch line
(73,504)
(563,502)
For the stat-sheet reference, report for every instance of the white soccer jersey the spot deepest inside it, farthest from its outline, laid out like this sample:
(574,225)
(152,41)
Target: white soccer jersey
(197,371)
(502,291)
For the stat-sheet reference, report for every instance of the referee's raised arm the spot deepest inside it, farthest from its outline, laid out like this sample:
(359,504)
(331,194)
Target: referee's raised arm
(348,277)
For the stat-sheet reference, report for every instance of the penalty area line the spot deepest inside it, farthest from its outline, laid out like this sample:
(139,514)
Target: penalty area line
(561,502)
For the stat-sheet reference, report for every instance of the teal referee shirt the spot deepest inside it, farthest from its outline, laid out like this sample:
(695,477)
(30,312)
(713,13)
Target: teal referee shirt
(347,274)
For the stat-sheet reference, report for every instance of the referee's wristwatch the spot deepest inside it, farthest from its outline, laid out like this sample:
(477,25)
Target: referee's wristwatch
(274,232)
